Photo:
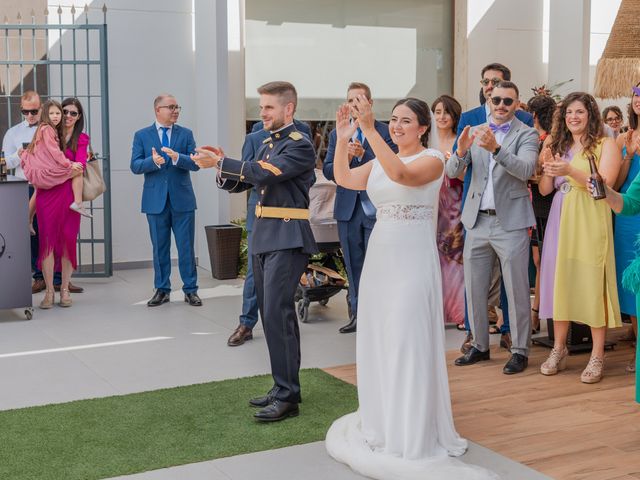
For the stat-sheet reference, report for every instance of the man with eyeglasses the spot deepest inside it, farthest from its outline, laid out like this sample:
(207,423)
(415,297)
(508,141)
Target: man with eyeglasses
(497,216)
(491,75)
(16,138)
(161,152)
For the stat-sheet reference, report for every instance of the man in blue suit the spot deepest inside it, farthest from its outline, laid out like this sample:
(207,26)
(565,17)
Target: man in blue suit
(491,75)
(249,316)
(161,152)
(353,210)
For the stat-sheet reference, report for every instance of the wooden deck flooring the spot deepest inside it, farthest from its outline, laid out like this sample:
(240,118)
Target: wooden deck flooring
(555,425)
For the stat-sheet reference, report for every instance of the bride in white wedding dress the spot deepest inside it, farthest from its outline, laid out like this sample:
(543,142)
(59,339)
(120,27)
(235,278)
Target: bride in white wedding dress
(403,428)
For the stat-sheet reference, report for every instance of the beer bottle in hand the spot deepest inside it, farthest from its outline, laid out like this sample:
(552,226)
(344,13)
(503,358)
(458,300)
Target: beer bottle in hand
(598,192)
(3,167)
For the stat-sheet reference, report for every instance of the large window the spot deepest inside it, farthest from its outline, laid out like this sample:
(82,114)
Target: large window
(400,48)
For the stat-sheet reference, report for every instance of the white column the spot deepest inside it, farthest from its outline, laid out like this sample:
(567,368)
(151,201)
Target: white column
(569,35)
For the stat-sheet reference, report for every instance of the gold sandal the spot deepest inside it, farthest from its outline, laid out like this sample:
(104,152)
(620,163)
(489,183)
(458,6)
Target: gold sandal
(65,298)
(593,371)
(47,301)
(556,362)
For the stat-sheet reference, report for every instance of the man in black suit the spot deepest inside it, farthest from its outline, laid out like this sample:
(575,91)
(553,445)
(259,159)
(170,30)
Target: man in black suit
(282,239)
(353,210)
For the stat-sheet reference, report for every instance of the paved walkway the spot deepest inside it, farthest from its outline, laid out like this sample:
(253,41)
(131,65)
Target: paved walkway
(110,343)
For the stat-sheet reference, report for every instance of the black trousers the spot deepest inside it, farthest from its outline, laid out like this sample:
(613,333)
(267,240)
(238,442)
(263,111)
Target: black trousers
(276,275)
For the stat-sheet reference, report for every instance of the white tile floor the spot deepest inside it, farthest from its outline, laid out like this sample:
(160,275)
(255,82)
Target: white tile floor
(110,343)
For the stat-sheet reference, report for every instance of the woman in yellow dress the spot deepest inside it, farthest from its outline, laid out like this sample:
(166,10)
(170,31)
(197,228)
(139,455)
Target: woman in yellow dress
(583,280)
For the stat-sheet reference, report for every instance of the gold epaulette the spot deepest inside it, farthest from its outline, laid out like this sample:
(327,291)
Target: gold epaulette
(295,135)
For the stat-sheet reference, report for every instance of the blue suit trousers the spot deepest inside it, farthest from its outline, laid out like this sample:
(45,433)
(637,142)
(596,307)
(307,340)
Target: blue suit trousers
(183,226)
(249,315)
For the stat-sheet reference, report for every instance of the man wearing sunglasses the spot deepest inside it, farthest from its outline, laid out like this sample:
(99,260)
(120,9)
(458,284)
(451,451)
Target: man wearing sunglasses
(161,152)
(12,145)
(491,75)
(497,215)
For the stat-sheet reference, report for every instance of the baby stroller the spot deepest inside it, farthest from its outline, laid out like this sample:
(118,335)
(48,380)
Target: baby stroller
(321,279)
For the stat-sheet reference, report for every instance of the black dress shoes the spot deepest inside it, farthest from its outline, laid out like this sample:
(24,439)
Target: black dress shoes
(276,411)
(158,298)
(265,399)
(516,364)
(193,299)
(472,356)
(350,327)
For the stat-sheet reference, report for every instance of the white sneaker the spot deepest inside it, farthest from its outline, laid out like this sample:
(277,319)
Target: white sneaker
(80,209)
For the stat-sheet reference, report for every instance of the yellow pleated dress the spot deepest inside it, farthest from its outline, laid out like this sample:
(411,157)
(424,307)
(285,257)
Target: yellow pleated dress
(585,289)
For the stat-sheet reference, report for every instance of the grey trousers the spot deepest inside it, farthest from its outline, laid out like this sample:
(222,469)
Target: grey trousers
(485,242)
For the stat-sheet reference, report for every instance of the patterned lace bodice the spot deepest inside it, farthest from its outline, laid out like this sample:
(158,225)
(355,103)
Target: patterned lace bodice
(399,203)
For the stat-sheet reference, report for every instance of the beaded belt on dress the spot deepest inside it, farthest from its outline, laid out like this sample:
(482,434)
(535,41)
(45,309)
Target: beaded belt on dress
(405,213)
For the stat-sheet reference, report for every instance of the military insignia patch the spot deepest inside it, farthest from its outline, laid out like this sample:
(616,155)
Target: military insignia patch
(295,135)
(270,167)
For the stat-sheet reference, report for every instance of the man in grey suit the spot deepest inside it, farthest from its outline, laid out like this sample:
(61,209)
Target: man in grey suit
(497,215)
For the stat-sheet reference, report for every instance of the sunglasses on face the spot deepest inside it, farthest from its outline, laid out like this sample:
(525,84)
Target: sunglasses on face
(30,112)
(506,100)
(70,113)
(173,108)
(493,81)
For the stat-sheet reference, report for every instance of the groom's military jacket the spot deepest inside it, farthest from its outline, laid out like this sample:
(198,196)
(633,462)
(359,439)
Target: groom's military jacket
(282,174)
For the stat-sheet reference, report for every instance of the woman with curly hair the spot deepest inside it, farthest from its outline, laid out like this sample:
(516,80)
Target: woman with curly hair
(578,275)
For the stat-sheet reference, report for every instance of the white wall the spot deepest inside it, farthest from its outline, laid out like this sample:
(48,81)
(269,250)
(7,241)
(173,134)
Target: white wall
(504,31)
(150,51)
(517,33)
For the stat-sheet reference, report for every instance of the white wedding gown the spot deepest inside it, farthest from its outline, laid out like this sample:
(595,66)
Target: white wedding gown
(404,427)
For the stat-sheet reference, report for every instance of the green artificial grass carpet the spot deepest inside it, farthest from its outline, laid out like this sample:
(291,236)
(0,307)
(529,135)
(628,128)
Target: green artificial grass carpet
(107,437)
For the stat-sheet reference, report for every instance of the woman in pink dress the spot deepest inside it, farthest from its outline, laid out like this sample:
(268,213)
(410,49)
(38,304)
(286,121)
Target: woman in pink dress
(77,143)
(450,235)
(50,172)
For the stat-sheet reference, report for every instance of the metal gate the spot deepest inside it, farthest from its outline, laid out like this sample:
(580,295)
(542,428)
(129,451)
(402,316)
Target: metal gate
(60,60)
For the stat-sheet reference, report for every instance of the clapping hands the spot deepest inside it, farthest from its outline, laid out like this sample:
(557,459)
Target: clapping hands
(554,166)
(632,145)
(345,128)
(207,157)
(157,158)
(361,111)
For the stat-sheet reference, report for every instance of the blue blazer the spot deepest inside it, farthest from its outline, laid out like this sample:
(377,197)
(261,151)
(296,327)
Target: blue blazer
(345,198)
(172,181)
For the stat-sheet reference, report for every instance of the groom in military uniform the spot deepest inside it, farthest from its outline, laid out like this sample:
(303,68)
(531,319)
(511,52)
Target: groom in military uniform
(282,239)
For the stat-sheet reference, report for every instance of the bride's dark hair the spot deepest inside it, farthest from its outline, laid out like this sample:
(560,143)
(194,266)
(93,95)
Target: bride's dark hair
(421,109)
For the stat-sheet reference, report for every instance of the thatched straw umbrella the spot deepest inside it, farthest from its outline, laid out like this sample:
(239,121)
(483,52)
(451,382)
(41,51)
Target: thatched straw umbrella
(619,67)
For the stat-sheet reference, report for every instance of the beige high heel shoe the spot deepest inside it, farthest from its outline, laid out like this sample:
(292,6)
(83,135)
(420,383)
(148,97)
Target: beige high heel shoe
(47,301)
(65,298)
(556,362)
(593,371)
